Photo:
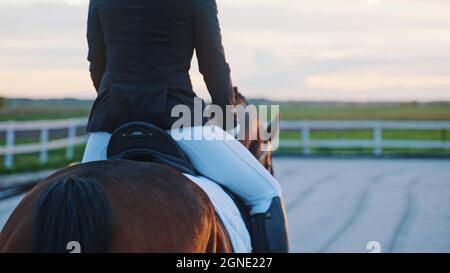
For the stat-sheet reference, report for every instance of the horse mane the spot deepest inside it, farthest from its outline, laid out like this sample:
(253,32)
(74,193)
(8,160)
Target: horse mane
(72,209)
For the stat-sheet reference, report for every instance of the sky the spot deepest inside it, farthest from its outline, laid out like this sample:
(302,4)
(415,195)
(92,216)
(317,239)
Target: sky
(341,50)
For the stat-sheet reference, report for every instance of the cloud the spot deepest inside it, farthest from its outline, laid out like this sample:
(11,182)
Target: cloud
(293,49)
(355,82)
(46,83)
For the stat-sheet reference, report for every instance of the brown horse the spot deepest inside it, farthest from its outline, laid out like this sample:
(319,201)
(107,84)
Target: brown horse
(116,206)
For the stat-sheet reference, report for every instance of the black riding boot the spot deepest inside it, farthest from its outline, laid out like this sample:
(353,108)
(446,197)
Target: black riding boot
(269,229)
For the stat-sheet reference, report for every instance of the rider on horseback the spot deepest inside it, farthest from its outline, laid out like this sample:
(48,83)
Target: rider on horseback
(140,53)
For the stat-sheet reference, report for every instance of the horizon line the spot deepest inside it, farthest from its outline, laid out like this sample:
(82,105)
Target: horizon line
(262,98)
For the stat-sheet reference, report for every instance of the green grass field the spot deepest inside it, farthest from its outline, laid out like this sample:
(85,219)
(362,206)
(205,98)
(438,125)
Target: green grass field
(406,111)
(30,113)
(30,162)
(289,111)
(365,134)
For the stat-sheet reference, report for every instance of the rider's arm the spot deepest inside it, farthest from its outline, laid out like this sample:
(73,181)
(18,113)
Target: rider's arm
(210,53)
(97,48)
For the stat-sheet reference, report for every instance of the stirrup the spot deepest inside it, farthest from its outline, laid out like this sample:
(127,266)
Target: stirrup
(269,229)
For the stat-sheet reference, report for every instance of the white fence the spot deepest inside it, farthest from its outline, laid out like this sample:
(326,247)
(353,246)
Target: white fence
(377,143)
(45,144)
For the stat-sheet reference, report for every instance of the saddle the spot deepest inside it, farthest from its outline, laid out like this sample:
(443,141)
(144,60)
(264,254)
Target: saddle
(140,141)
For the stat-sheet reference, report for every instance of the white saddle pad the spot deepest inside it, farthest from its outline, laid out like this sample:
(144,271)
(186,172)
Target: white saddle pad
(228,212)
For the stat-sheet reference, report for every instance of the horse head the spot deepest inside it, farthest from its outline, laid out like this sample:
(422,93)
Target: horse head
(253,141)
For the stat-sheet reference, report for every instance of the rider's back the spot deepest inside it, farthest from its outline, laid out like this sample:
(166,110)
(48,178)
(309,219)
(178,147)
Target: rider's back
(140,53)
